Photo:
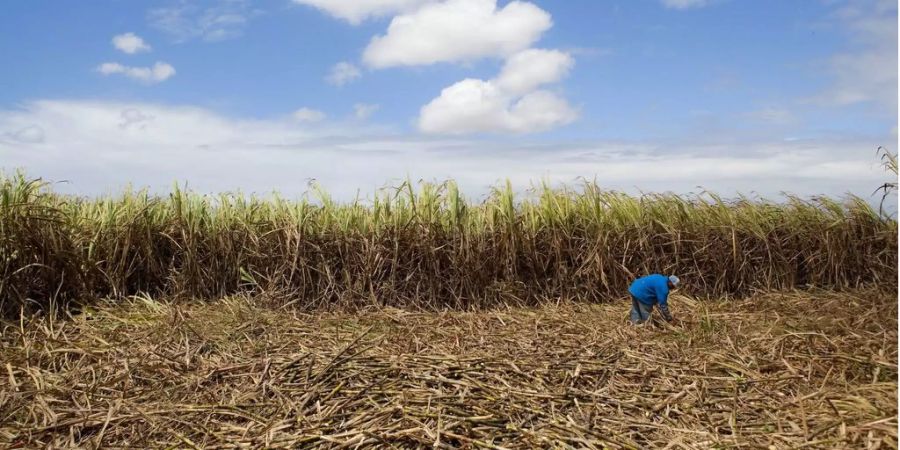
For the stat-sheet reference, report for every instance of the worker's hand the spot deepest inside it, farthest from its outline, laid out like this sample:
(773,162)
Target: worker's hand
(664,311)
(671,323)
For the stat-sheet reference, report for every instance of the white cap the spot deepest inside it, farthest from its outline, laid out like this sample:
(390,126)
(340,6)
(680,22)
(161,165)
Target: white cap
(674,280)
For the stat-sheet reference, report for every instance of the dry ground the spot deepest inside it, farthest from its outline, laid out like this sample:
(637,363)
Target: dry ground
(812,370)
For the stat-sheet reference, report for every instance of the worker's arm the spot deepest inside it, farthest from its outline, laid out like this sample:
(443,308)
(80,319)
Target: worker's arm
(663,299)
(664,310)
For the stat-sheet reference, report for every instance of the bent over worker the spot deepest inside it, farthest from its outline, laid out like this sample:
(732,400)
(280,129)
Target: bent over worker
(648,291)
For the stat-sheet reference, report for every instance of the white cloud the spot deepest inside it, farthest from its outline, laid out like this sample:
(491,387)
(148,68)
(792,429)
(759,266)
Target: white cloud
(86,143)
(363,111)
(226,19)
(31,134)
(134,118)
(473,106)
(528,69)
(685,4)
(308,115)
(130,43)
(509,103)
(158,73)
(868,72)
(343,73)
(355,11)
(457,31)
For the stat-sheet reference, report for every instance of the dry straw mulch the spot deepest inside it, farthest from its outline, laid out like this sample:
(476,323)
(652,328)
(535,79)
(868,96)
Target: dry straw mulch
(811,370)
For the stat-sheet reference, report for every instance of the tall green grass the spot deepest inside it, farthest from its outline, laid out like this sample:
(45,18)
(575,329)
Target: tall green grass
(426,246)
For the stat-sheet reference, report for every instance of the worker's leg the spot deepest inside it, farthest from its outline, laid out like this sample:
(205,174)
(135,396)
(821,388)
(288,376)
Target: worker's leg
(635,312)
(640,312)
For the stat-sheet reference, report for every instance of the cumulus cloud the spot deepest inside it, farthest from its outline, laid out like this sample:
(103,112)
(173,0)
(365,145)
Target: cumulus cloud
(343,73)
(528,69)
(363,111)
(158,73)
(225,19)
(457,31)
(130,43)
(84,142)
(685,4)
(356,11)
(511,102)
(308,115)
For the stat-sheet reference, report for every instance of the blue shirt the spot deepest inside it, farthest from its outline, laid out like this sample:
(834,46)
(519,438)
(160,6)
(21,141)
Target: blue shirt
(651,289)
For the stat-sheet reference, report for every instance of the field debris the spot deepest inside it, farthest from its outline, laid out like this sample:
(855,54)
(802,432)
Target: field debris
(805,369)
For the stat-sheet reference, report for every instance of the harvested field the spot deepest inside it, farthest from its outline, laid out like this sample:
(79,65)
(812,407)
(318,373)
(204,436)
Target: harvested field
(809,369)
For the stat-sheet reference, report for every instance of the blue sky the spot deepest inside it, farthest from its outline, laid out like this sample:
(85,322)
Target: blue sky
(731,95)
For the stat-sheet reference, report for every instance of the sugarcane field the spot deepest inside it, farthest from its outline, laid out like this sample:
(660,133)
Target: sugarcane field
(449,224)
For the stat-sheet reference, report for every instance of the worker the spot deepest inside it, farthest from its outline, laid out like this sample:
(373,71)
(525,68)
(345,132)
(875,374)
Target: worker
(648,291)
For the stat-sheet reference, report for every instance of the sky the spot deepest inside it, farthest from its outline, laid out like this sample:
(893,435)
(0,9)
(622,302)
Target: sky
(756,97)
